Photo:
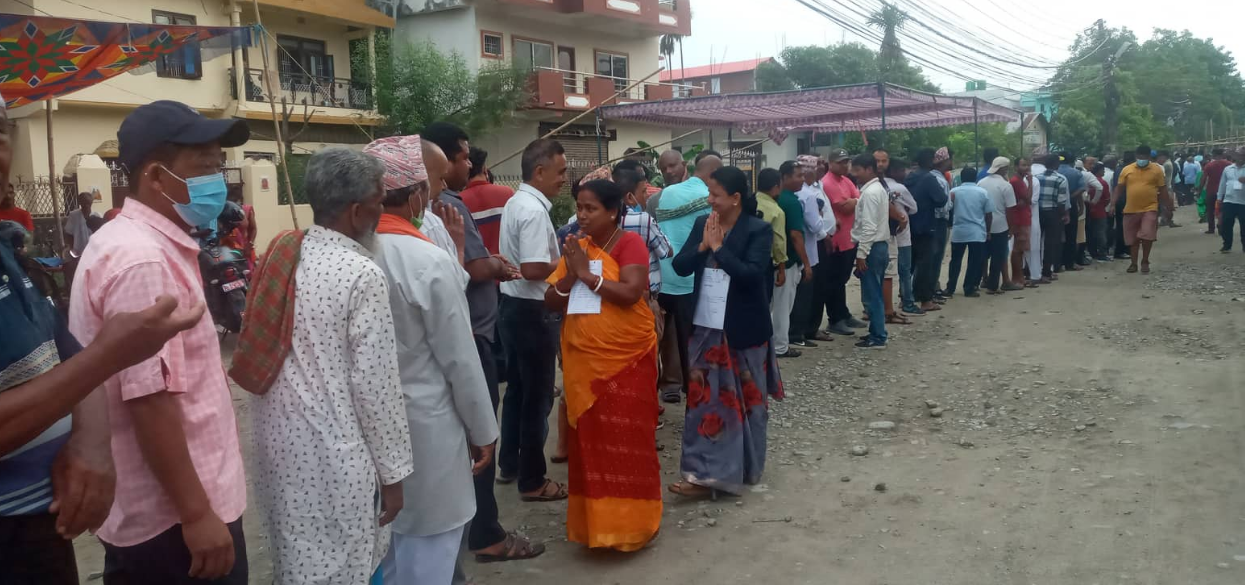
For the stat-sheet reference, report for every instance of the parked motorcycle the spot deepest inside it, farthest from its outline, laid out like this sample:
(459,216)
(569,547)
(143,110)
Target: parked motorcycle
(225,273)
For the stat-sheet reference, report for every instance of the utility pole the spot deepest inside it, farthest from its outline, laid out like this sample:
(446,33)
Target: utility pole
(1111,115)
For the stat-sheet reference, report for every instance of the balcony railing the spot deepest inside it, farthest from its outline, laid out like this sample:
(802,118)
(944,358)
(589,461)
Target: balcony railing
(297,88)
(671,5)
(560,88)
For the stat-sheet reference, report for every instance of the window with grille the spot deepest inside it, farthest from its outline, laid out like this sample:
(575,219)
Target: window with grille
(492,46)
(187,61)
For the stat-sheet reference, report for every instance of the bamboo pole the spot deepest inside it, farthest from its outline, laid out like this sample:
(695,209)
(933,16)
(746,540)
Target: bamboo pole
(676,138)
(57,196)
(276,124)
(581,115)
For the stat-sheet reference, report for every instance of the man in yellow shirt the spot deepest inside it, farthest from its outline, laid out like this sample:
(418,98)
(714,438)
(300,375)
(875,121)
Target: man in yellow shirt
(1142,184)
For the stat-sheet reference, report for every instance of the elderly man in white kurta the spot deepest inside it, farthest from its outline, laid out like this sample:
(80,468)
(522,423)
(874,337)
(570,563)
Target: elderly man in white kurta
(330,434)
(447,396)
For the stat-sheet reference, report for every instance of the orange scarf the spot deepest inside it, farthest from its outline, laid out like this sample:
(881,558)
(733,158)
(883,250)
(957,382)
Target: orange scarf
(394,225)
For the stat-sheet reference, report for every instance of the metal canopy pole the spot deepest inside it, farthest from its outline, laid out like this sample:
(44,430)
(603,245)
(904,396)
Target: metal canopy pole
(57,196)
(976,134)
(882,94)
(600,156)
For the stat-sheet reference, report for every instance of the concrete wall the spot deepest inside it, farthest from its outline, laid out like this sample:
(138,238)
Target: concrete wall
(271,217)
(77,129)
(452,31)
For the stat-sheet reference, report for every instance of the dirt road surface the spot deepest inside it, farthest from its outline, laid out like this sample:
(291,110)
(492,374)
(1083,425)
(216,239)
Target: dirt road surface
(1090,433)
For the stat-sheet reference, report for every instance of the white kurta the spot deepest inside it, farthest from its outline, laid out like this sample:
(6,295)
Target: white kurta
(333,422)
(446,395)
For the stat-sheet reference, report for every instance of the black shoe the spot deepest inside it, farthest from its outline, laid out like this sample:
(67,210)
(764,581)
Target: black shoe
(804,343)
(671,396)
(1225,250)
(870,344)
(840,329)
(972,294)
(791,353)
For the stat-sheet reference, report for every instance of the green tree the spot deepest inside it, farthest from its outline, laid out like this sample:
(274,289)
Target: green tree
(890,19)
(416,84)
(1075,131)
(843,64)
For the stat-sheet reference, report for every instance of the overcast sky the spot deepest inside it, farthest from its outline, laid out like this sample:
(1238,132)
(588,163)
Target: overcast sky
(733,30)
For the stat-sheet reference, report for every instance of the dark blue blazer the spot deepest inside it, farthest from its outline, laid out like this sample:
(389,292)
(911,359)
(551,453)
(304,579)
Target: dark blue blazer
(745,256)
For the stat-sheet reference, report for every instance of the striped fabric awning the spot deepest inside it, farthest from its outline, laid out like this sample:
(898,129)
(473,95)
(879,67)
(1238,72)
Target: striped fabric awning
(831,109)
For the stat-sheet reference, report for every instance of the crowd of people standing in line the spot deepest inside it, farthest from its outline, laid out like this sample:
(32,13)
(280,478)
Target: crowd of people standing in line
(376,340)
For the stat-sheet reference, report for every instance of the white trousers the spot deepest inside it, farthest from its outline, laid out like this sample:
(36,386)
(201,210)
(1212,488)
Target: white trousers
(1035,247)
(422,560)
(780,308)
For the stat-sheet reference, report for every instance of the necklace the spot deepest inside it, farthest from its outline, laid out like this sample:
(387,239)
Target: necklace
(607,243)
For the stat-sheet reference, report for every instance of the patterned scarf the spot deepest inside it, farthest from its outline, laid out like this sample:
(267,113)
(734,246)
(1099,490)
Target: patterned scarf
(268,325)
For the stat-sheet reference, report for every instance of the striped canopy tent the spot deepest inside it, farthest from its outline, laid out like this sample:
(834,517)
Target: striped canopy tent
(848,108)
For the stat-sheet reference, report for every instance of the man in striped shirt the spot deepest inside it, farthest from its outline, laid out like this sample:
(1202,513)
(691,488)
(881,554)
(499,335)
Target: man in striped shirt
(484,199)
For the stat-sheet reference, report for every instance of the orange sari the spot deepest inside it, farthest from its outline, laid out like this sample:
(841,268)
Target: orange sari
(609,365)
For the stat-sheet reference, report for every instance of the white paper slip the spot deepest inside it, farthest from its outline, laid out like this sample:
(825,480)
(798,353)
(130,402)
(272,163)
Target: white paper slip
(715,283)
(583,301)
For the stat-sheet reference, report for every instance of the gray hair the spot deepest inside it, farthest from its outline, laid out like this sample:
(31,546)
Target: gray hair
(339,177)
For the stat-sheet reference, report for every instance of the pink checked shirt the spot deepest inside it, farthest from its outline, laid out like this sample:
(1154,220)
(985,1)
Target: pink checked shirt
(133,259)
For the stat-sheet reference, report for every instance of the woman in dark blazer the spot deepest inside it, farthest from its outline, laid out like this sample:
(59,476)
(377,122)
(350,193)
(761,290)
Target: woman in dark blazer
(733,369)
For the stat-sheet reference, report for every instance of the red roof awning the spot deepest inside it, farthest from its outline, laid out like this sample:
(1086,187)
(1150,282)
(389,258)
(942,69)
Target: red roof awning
(831,109)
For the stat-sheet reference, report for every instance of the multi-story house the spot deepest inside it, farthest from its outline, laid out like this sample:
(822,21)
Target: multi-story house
(309,45)
(580,53)
(719,78)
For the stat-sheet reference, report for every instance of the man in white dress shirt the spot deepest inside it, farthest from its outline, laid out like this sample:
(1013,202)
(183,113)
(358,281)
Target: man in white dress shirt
(446,394)
(529,332)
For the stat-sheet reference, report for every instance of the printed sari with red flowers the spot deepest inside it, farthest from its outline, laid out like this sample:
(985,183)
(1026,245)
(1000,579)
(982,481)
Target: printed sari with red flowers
(609,372)
(727,411)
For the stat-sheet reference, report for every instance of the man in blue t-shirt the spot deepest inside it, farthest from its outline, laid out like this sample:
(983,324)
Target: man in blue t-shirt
(1076,190)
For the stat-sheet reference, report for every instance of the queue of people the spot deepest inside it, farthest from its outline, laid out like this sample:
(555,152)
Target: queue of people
(376,341)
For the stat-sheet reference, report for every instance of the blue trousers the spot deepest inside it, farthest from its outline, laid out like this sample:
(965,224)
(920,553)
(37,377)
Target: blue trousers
(871,290)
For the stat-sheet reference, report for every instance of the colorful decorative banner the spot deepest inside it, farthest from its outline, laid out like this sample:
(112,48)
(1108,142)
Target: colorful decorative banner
(43,57)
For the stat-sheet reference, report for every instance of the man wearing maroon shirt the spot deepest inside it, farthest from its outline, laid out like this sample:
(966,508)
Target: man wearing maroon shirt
(1097,228)
(1020,219)
(1211,174)
(484,199)
(11,212)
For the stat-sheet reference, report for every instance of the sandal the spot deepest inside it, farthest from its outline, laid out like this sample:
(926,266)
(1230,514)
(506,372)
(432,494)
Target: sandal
(558,459)
(690,490)
(514,548)
(543,495)
(1145,268)
(897,319)
(1132,269)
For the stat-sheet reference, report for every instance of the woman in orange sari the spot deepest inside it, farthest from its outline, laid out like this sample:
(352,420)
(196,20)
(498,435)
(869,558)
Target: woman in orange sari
(609,365)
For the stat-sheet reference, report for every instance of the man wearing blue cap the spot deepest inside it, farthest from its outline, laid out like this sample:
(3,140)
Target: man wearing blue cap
(180,492)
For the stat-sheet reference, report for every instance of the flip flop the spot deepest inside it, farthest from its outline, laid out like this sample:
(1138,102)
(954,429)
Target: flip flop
(1145,268)
(1132,269)
(558,460)
(515,548)
(897,319)
(688,490)
(560,493)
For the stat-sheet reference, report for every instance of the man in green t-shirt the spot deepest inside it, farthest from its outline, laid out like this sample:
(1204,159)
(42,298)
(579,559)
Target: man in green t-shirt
(796,265)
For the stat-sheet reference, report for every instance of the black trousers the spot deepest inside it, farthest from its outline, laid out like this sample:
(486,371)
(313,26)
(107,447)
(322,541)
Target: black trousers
(680,309)
(1052,239)
(976,263)
(1232,213)
(32,553)
(530,336)
(1069,255)
(803,306)
(1120,246)
(924,273)
(842,265)
(996,248)
(485,529)
(818,303)
(165,560)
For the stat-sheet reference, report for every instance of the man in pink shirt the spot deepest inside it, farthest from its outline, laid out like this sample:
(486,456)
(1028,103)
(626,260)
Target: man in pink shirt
(180,491)
(841,261)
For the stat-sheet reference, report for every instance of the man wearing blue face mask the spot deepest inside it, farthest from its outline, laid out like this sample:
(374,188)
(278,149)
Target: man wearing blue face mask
(180,489)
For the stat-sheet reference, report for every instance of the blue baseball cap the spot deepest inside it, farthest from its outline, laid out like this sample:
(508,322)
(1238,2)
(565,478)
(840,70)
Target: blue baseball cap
(167,121)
